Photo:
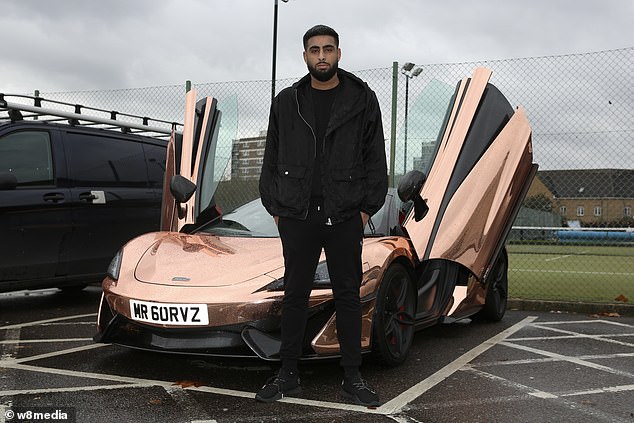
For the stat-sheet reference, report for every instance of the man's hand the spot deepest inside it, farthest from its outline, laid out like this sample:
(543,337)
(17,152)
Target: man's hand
(365,217)
(277,219)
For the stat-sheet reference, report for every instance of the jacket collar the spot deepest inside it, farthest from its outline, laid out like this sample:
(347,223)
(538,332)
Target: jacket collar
(349,102)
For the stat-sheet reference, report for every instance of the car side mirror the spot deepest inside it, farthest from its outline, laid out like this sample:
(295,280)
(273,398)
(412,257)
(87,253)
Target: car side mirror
(409,190)
(182,188)
(8,181)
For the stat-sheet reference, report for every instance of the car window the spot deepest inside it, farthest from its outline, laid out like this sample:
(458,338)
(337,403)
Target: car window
(252,220)
(155,155)
(105,161)
(215,165)
(27,155)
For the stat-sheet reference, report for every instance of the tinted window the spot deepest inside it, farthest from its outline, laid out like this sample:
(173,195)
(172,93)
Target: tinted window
(156,156)
(27,155)
(104,161)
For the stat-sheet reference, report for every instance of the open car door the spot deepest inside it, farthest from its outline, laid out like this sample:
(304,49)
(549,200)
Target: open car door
(479,176)
(191,169)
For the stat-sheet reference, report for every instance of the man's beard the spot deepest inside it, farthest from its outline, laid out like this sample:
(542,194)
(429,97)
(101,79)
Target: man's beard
(323,76)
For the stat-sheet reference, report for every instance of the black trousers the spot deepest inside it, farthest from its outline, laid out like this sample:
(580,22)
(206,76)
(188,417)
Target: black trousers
(302,242)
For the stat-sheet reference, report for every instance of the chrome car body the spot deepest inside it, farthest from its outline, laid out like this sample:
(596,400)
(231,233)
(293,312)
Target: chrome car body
(212,283)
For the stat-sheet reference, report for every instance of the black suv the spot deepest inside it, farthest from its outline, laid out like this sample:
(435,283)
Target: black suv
(71,195)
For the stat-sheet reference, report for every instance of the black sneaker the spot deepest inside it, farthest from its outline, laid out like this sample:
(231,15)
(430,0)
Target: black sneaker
(358,390)
(283,384)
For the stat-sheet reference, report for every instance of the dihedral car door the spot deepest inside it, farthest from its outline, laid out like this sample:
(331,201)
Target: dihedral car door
(194,158)
(477,181)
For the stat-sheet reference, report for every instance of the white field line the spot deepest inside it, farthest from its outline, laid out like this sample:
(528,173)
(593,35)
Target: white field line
(566,256)
(572,272)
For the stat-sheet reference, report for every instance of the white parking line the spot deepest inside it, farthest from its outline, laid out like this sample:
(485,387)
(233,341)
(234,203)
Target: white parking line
(392,409)
(41,322)
(596,414)
(44,341)
(570,359)
(396,404)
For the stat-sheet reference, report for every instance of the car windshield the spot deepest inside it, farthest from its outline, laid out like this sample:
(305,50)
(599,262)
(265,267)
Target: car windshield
(252,220)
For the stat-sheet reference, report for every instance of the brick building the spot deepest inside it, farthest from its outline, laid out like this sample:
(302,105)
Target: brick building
(591,196)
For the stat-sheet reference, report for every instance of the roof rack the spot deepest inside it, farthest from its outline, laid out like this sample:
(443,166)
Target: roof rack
(79,115)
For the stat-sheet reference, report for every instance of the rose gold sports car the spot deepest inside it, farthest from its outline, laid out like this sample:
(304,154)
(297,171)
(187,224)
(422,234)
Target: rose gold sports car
(212,283)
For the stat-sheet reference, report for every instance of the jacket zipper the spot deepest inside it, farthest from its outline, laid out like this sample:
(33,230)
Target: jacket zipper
(312,131)
(307,124)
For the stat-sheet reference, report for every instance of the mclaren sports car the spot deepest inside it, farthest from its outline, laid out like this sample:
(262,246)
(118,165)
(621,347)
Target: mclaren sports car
(211,282)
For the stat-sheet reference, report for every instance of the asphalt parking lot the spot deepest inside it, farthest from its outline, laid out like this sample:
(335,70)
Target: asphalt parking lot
(532,366)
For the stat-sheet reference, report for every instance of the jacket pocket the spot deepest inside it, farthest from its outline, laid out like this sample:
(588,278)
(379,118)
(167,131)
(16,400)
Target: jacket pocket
(351,174)
(348,188)
(291,171)
(290,187)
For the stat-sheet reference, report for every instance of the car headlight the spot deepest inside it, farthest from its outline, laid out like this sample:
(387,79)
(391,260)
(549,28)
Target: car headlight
(321,280)
(115,266)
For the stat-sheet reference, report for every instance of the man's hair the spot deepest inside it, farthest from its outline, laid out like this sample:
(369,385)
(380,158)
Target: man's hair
(320,30)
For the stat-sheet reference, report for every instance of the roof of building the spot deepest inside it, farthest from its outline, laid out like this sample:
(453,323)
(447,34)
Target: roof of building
(589,183)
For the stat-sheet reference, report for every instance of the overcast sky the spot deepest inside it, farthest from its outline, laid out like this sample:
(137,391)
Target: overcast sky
(69,45)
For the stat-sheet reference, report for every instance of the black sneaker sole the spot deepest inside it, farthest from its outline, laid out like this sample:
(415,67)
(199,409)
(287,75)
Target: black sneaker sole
(279,395)
(358,401)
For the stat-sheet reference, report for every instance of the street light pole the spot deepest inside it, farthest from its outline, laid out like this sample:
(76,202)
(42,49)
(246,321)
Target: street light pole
(407,77)
(409,72)
(274,48)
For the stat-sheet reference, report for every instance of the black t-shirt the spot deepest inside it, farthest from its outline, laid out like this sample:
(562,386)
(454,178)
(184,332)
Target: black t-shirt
(322,100)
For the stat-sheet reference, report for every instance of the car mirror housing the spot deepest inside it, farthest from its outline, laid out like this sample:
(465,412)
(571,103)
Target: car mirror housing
(182,188)
(409,190)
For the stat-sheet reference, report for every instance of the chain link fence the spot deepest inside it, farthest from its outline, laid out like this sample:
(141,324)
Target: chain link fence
(573,238)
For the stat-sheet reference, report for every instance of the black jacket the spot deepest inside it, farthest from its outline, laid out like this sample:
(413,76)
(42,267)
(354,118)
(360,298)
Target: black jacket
(354,168)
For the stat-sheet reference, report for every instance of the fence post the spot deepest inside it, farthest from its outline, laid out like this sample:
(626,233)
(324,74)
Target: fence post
(393,128)
(188,86)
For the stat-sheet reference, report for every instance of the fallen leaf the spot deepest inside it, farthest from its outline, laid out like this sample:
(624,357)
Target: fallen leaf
(586,402)
(621,298)
(155,401)
(606,314)
(188,383)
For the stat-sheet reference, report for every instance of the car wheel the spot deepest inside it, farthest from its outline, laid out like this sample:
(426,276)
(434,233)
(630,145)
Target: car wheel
(393,328)
(497,292)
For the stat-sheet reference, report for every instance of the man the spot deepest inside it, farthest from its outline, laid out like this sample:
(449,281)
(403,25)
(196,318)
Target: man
(324,174)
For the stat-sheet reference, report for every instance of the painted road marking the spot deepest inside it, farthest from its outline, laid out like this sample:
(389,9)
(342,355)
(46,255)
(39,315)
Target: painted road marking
(395,405)
(394,408)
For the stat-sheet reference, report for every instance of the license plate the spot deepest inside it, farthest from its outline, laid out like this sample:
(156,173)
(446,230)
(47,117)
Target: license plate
(169,314)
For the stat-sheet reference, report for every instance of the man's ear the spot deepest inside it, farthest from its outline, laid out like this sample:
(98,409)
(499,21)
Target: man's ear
(338,54)
(304,54)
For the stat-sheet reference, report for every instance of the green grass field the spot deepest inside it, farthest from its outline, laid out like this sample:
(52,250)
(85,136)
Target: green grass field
(571,272)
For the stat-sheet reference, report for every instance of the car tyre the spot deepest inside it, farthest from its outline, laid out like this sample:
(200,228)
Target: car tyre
(497,290)
(393,328)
